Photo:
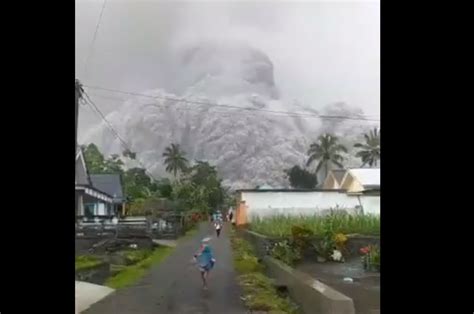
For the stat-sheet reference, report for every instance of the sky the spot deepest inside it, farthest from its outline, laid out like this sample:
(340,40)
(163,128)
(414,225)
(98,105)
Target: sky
(323,51)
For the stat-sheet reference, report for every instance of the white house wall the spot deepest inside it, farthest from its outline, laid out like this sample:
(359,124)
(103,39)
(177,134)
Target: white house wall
(266,204)
(371,204)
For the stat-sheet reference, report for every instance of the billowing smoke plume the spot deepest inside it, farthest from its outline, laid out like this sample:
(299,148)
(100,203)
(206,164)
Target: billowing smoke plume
(250,147)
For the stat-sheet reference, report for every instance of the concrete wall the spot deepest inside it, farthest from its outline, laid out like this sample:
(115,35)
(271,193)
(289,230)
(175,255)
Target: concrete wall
(371,204)
(305,203)
(313,295)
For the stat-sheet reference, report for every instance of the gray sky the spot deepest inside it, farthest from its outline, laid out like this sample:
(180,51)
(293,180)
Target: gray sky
(323,51)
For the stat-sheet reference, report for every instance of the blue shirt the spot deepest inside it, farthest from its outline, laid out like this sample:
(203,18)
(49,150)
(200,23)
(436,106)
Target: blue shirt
(205,257)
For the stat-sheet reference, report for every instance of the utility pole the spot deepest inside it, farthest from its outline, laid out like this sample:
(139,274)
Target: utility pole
(79,92)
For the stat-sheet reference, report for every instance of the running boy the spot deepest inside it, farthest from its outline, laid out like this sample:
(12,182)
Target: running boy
(205,260)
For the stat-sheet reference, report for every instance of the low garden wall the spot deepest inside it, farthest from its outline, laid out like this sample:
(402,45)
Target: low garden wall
(263,244)
(84,244)
(313,295)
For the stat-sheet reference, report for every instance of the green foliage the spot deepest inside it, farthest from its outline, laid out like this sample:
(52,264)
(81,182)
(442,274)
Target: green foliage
(259,292)
(371,258)
(301,237)
(87,262)
(245,260)
(131,274)
(286,252)
(174,159)
(134,256)
(280,226)
(325,246)
(369,151)
(327,151)
(200,189)
(94,159)
(165,188)
(137,184)
(301,178)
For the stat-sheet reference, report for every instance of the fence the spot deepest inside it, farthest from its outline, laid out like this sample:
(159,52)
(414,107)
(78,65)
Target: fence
(169,226)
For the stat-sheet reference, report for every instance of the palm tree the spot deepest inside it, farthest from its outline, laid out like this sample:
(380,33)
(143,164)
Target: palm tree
(328,151)
(174,159)
(370,150)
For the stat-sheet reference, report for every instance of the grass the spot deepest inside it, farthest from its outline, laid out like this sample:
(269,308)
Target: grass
(131,274)
(86,262)
(135,256)
(259,291)
(280,226)
(142,260)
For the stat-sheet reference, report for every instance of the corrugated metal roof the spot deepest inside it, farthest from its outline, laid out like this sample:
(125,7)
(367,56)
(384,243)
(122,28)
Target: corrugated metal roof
(108,183)
(367,176)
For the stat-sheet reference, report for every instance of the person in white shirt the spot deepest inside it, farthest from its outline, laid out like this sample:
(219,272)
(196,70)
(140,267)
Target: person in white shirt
(218,226)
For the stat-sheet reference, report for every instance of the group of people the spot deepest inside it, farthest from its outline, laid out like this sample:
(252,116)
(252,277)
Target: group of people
(205,257)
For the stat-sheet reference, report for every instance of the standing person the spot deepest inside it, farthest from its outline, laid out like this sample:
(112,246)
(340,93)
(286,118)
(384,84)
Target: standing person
(231,214)
(218,226)
(205,259)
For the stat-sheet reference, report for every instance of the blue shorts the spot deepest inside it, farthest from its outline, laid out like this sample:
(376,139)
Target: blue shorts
(207,267)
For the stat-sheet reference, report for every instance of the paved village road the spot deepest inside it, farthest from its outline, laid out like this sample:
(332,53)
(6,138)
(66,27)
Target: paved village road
(174,286)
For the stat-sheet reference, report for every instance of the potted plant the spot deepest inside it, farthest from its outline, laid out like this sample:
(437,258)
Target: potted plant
(326,245)
(323,250)
(339,243)
(371,257)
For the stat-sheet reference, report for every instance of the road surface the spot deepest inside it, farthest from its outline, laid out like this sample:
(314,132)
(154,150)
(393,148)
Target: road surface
(174,286)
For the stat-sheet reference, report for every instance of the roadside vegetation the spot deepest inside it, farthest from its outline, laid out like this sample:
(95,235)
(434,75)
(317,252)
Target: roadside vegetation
(281,226)
(259,291)
(84,262)
(132,273)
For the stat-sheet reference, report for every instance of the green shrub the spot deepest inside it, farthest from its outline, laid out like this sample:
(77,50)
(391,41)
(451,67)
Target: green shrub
(131,274)
(301,237)
(286,252)
(246,263)
(87,261)
(259,292)
(281,226)
(133,257)
(371,257)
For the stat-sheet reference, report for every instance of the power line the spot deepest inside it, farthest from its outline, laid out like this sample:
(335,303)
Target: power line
(287,113)
(91,48)
(89,102)
(225,113)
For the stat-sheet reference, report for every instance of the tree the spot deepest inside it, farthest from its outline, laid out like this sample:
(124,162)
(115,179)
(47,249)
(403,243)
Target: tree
(94,159)
(370,150)
(200,188)
(327,151)
(174,159)
(129,154)
(138,185)
(301,178)
(165,189)
(98,164)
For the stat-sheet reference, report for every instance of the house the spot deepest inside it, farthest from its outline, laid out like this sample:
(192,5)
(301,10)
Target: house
(362,181)
(112,185)
(90,202)
(334,179)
